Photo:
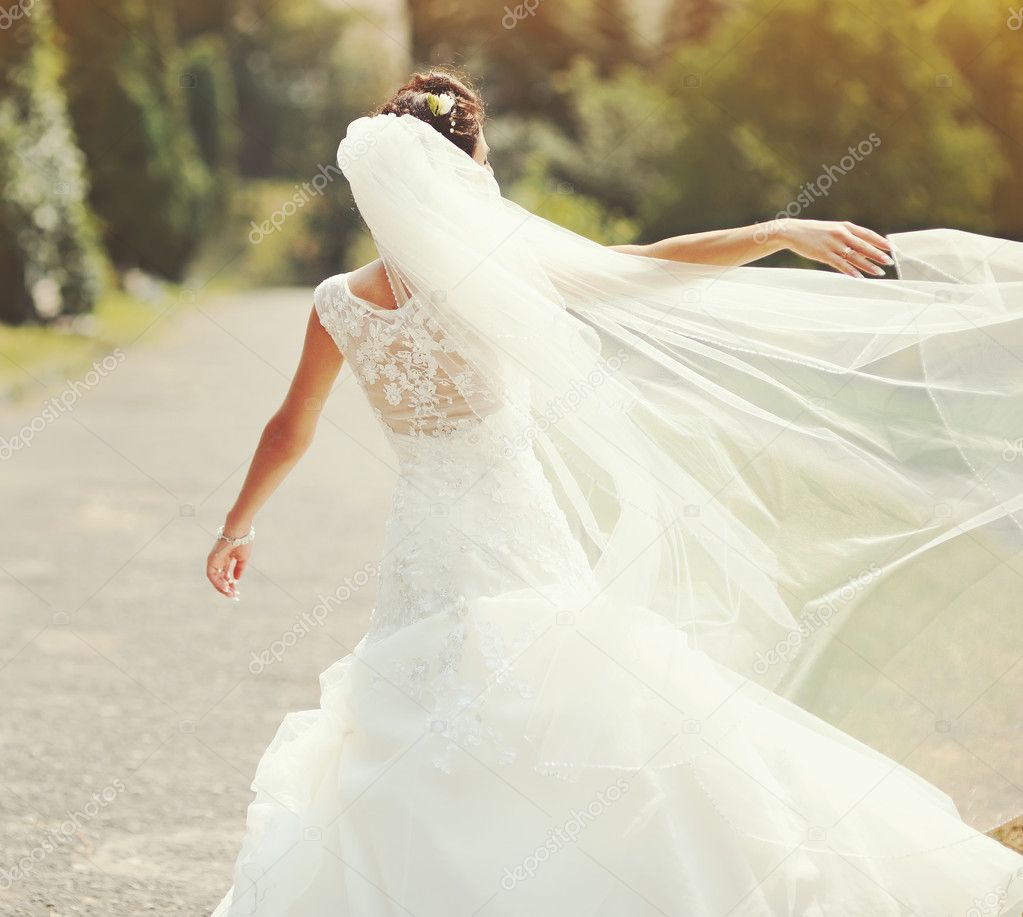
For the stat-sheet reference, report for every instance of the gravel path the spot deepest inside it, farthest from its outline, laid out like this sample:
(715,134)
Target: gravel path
(134,713)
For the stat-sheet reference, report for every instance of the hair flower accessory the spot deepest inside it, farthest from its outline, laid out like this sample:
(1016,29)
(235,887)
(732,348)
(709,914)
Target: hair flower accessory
(440,104)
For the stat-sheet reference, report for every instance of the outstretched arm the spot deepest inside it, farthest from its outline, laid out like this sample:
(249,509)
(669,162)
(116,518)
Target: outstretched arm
(286,437)
(848,248)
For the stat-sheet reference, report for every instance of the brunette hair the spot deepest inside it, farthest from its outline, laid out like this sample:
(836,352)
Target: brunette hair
(467,114)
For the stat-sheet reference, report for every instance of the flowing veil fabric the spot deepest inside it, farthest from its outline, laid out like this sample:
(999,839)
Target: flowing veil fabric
(813,480)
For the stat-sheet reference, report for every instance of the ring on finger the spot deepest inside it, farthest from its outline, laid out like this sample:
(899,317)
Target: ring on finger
(846,252)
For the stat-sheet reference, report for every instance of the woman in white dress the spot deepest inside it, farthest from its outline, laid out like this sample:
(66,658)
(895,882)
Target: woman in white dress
(645,497)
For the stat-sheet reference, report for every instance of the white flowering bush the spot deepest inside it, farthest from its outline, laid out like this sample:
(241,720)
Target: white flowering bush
(50,257)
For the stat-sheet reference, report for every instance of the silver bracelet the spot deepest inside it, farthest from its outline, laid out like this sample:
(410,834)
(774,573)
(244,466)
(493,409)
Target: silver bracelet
(236,542)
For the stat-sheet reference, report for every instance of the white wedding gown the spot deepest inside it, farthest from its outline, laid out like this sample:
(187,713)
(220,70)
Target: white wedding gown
(411,790)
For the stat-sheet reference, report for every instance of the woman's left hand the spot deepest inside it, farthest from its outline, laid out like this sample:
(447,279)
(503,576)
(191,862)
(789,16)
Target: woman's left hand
(851,249)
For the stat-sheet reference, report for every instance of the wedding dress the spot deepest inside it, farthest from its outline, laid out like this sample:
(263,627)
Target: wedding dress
(555,714)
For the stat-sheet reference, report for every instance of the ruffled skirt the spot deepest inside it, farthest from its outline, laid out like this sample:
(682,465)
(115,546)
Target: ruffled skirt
(554,756)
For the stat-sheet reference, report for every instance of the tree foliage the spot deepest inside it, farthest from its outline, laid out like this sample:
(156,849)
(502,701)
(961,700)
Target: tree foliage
(898,114)
(50,260)
(205,75)
(150,188)
(881,134)
(984,43)
(297,84)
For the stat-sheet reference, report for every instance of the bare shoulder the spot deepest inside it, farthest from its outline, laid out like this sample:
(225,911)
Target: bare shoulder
(370,282)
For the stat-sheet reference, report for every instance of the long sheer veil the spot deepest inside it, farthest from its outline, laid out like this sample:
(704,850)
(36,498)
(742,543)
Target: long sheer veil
(816,479)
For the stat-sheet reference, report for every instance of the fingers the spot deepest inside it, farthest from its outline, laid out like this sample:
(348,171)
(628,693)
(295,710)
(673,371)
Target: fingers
(868,250)
(860,261)
(219,573)
(855,250)
(869,236)
(218,577)
(841,264)
(862,254)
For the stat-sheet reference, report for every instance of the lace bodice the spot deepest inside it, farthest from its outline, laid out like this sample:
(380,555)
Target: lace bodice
(472,516)
(467,497)
(408,368)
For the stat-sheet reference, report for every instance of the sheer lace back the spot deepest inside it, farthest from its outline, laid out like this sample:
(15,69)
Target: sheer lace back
(473,515)
(413,377)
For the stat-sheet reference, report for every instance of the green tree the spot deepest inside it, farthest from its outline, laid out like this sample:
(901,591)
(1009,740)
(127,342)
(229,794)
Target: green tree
(614,42)
(511,49)
(205,76)
(200,17)
(303,73)
(616,130)
(879,134)
(690,21)
(50,260)
(986,51)
(149,186)
(562,203)
(298,84)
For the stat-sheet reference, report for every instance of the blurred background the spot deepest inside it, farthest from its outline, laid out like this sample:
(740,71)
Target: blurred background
(147,143)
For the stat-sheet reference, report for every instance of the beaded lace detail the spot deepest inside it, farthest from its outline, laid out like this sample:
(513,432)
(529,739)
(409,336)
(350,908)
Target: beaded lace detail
(470,517)
(412,376)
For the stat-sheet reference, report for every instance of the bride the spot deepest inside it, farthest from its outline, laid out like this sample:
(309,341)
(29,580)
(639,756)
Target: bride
(699,587)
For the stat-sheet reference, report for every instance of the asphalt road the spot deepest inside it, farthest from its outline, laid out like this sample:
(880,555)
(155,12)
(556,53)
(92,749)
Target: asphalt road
(136,700)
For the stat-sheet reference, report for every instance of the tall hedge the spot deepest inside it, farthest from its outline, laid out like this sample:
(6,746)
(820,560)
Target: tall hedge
(208,86)
(150,186)
(50,260)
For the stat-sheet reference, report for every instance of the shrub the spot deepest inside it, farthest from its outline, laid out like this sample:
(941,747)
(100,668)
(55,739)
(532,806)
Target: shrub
(50,260)
(150,187)
(205,76)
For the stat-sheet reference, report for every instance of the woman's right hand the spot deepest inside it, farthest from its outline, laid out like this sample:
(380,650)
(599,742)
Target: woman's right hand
(225,566)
